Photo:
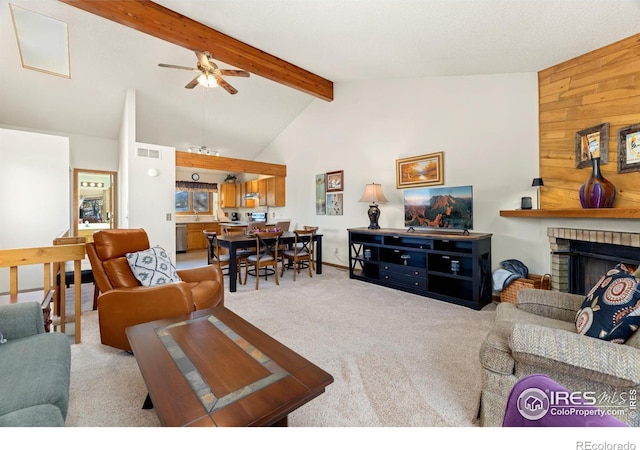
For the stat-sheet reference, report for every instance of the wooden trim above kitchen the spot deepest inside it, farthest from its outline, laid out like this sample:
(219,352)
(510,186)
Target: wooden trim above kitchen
(197,161)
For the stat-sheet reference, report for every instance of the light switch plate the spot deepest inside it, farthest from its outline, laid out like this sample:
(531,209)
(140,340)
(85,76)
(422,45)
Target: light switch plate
(168,219)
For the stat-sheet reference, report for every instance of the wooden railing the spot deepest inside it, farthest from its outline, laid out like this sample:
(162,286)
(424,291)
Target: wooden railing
(52,258)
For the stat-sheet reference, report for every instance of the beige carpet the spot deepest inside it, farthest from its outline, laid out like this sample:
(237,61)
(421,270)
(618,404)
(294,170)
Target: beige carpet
(399,360)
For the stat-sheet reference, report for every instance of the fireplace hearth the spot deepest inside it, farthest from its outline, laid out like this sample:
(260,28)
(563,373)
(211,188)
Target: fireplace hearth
(580,257)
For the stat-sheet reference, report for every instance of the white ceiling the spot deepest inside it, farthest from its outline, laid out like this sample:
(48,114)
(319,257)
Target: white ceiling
(341,40)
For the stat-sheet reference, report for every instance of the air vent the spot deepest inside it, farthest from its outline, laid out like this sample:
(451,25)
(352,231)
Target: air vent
(149,153)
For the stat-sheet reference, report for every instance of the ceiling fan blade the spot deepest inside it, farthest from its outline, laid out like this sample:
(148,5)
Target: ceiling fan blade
(226,86)
(171,66)
(234,73)
(193,83)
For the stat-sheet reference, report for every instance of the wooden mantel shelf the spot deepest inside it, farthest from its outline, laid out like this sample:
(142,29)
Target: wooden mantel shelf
(575,213)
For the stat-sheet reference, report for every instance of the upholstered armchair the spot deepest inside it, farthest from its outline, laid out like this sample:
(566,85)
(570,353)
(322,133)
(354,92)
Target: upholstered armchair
(537,335)
(124,301)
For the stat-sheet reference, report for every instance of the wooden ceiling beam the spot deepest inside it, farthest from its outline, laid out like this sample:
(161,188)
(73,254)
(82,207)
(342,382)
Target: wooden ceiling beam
(163,23)
(197,161)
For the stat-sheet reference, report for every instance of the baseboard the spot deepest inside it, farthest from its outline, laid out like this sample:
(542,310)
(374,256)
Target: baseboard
(337,266)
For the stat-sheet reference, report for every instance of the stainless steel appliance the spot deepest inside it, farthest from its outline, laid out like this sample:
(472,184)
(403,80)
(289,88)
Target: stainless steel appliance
(181,238)
(235,216)
(258,216)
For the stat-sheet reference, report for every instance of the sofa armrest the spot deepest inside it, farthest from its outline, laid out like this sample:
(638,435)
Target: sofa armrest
(552,304)
(589,358)
(18,320)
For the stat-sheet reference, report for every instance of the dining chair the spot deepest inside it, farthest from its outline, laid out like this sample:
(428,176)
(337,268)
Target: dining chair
(283,225)
(253,226)
(216,255)
(301,255)
(265,257)
(314,229)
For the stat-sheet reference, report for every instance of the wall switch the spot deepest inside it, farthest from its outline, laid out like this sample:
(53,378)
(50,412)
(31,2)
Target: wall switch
(273,215)
(168,217)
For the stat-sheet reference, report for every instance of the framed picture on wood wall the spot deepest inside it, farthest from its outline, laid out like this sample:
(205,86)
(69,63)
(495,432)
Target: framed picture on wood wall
(416,171)
(629,149)
(592,143)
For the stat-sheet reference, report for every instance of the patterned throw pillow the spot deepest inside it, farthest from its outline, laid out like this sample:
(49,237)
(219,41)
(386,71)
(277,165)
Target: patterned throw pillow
(152,267)
(611,310)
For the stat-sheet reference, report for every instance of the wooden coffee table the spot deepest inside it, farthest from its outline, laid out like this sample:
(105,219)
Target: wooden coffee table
(213,368)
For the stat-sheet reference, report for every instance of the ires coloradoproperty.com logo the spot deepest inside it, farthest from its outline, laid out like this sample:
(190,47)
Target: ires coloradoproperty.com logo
(534,403)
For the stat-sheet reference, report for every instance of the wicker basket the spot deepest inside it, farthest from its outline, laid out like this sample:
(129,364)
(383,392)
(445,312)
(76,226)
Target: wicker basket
(510,293)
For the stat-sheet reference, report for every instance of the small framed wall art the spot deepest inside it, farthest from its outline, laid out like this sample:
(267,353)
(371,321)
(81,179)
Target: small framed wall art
(334,204)
(416,171)
(321,196)
(629,149)
(592,143)
(335,181)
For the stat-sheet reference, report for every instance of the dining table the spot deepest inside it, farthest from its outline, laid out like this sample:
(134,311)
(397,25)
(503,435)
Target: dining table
(237,242)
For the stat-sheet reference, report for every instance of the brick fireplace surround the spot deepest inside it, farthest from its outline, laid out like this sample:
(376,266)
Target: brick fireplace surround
(560,238)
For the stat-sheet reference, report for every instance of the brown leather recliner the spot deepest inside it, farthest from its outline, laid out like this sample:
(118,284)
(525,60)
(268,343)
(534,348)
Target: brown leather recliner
(124,302)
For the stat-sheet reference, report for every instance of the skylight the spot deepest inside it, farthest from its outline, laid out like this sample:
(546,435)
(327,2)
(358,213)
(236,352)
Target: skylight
(43,42)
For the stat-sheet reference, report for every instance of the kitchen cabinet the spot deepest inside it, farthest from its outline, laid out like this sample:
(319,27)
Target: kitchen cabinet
(195,236)
(229,193)
(251,187)
(276,191)
(262,192)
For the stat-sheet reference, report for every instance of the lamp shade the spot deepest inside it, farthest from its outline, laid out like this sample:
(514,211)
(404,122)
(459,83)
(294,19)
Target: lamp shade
(207,80)
(373,193)
(537,182)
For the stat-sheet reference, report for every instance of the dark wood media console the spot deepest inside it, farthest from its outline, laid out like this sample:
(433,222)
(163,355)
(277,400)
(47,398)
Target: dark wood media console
(448,266)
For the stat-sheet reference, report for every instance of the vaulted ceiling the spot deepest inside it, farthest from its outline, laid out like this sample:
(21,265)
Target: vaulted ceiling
(341,41)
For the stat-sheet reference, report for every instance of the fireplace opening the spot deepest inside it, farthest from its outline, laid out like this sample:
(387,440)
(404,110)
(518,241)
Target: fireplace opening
(589,261)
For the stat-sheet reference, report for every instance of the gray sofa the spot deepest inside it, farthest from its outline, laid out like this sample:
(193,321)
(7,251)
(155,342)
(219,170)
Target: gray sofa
(34,369)
(538,335)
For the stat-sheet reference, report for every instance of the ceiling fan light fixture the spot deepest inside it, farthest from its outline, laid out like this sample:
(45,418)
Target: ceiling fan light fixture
(207,80)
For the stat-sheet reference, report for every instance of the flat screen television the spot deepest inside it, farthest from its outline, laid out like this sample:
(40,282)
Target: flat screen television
(448,208)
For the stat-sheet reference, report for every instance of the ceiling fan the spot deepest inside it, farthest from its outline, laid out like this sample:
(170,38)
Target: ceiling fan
(210,75)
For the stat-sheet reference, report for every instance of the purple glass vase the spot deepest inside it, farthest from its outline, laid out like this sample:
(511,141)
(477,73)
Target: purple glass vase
(597,192)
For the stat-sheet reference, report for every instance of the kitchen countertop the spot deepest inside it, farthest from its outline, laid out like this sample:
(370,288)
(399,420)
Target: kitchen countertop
(193,219)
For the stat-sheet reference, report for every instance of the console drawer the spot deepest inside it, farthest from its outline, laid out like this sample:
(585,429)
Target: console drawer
(404,280)
(404,270)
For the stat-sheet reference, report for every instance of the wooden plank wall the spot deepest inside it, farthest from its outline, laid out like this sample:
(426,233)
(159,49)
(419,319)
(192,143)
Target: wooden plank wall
(598,87)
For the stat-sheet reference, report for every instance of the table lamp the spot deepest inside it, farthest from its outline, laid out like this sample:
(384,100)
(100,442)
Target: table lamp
(537,182)
(373,193)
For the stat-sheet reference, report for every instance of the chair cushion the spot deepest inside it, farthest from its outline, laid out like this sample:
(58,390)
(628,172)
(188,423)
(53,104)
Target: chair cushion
(152,267)
(611,310)
(120,273)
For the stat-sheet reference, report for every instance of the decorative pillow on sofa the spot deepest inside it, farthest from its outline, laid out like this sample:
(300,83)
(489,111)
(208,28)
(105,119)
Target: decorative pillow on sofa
(152,267)
(611,310)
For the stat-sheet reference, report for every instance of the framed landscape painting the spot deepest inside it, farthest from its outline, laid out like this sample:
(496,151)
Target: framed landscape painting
(417,171)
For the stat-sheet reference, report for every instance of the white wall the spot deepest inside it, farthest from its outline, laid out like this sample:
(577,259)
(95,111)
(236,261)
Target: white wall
(151,199)
(485,125)
(34,192)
